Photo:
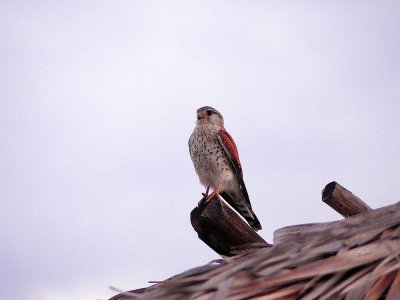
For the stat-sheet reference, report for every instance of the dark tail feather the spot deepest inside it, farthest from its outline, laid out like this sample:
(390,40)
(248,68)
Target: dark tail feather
(254,223)
(246,212)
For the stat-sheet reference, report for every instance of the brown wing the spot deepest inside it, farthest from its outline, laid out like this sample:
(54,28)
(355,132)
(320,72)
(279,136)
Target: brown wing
(230,148)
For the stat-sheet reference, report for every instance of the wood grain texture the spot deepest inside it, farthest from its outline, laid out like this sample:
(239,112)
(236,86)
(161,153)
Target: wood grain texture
(337,197)
(343,201)
(222,229)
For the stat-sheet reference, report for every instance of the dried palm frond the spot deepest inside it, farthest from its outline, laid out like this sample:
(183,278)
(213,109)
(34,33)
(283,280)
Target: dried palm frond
(357,258)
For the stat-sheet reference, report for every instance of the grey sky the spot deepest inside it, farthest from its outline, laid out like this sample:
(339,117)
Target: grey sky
(98,99)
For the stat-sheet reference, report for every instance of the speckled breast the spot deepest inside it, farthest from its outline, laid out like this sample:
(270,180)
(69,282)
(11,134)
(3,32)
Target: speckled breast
(210,161)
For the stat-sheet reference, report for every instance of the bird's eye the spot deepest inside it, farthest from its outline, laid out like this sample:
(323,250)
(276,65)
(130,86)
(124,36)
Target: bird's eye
(209,112)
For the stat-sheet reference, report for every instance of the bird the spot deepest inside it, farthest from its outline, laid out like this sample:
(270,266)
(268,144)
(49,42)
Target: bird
(216,161)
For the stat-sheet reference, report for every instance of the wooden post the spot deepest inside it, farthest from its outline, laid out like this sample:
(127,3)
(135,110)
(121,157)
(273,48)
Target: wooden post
(343,201)
(222,229)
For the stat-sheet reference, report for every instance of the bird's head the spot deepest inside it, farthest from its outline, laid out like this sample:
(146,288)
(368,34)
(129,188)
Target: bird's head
(209,115)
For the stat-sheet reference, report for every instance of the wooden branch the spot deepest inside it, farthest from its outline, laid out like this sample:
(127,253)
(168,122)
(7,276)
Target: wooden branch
(343,201)
(222,229)
(337,197)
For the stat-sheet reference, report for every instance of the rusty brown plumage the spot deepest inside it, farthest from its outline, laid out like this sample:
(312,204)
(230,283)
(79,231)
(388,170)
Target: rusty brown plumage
(216,162)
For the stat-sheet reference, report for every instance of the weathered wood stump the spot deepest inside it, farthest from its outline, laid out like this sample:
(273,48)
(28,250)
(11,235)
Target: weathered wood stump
(343,201)
(340,199)
(222,229)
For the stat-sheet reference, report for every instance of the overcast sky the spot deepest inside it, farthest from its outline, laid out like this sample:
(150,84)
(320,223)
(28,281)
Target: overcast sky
(98,100)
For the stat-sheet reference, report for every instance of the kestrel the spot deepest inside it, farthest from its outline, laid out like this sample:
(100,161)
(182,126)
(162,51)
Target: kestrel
(216,161)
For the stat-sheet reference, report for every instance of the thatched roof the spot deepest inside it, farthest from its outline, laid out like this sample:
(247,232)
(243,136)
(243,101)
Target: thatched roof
(357,258)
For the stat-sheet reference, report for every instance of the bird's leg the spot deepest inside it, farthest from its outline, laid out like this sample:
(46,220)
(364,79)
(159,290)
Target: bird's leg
(209,197)
(205,195)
